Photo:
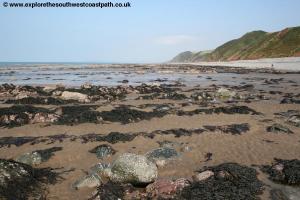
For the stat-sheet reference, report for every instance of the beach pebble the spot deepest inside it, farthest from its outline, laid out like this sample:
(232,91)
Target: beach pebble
(203,175)
(66,95)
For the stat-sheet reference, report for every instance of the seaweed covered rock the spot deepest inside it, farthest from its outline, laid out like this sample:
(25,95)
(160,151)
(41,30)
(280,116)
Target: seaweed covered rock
(284,171)
(103,151)
(37,157)
(290,101)
(134,169)
(291,116)
(228,181)
(24,114)
(278,128)
(234,129)
(174,96)
(154,88)
(21,181)
(96,93)
(162,155)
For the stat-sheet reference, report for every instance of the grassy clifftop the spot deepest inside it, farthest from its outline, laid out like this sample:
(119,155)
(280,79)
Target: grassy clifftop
(255,45)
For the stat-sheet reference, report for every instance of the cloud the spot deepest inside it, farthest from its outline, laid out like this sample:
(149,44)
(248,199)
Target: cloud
(175,39)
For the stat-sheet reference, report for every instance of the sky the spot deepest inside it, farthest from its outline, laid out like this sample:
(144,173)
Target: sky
(149,31)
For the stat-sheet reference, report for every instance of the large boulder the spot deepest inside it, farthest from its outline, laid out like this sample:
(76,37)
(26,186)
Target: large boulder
(132,168)
(66,95)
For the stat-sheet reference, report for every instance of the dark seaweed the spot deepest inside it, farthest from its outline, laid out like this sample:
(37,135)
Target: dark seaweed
(110,191)
(40,100)
(290,174)
(226,110)
(31,182)
(277,128)
(20,113)
(234,129)
(238,182)
(124,115)
(46,154)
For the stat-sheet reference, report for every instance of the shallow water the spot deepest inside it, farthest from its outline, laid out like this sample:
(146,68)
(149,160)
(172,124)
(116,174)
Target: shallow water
(111,75)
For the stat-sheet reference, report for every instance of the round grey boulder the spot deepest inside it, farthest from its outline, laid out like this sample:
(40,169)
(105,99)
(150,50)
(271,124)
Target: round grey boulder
(132,168)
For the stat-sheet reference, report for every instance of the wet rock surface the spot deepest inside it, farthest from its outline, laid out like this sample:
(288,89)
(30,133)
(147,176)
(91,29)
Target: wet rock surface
(102,151)
(38,156)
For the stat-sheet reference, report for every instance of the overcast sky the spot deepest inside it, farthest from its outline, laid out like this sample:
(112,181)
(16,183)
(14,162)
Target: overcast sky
(149,31)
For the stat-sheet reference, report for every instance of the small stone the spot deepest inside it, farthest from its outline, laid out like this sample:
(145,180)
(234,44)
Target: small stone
(66,95)
(203,175)
(279,167)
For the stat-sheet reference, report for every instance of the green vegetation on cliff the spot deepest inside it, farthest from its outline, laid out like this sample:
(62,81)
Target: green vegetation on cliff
(254,45)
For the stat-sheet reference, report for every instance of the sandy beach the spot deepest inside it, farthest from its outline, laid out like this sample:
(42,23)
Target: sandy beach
(217,116)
